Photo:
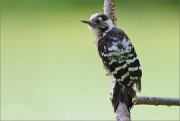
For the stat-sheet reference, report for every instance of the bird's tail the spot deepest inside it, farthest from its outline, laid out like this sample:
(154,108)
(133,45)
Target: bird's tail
(123,95)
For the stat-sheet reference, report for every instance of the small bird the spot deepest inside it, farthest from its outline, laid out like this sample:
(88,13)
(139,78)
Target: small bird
(119,59)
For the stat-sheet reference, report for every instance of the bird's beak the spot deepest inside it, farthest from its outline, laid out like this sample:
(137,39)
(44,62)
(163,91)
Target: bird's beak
(86,22)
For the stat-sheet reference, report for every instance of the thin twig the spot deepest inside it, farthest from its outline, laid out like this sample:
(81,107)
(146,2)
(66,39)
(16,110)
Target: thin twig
(109,9)
(146,100)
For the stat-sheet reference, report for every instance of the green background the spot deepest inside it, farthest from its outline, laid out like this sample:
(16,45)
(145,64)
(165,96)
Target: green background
(50,69)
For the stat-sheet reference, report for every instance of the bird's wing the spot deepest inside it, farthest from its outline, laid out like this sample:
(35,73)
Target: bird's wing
(119,57)
(134,69)
(127,67)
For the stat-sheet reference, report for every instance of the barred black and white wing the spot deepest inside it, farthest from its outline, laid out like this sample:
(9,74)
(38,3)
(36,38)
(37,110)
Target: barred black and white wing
(121,62)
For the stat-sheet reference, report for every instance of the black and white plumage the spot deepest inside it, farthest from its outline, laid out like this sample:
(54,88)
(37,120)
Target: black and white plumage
(119,59)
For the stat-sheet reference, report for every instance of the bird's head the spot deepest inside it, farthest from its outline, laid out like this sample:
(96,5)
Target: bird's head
(99,23)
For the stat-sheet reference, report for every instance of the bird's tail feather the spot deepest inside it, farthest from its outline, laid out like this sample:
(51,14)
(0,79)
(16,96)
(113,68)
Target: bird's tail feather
(125,95)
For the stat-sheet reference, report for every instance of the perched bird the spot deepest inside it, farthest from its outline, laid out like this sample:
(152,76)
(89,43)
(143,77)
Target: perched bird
(119,59)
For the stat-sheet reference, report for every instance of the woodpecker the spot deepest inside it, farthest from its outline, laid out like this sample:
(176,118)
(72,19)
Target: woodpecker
(119,59)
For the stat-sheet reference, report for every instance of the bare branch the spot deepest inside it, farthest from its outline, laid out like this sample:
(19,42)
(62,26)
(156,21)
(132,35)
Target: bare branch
(122,113)
(146,100)
(109,9)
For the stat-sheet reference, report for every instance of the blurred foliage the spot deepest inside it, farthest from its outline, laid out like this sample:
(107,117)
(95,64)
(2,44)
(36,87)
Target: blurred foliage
(50,69)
